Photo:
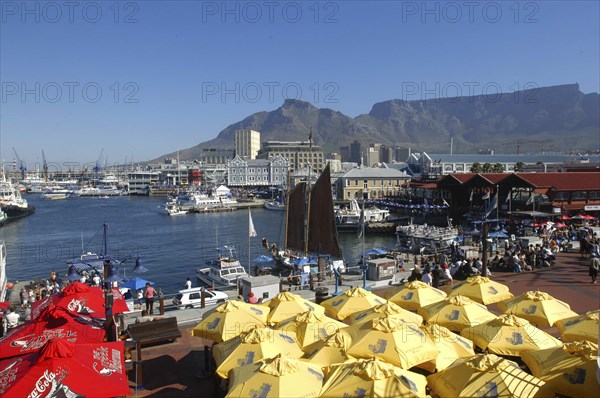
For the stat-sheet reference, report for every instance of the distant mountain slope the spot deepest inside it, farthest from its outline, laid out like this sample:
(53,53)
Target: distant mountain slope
(546,118)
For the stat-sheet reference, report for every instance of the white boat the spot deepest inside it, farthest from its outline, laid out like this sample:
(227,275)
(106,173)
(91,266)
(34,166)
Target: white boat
(201,201)
(417,238)
(171,208)
(223,272)
(100,190)
(274,205)
(349,219)
(11,201)
(3,217)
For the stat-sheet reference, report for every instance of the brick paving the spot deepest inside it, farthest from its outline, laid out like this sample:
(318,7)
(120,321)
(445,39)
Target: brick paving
(171,370)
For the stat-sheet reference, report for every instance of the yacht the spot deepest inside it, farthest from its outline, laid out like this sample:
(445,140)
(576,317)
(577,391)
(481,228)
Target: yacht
(171,208)
(199,201)
(349,219)
(223,272)
(275,205)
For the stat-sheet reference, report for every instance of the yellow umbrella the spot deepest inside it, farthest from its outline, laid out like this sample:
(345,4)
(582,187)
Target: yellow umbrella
(582,327)
(387,309)
(252,346)
(414,295)
(509,335)
(230,319)
(391,340)
(568,370)
(537,307)
(481,289)
(310,327)
(280,377)
(451,346)
(329,351)
(456,313)
(351,301)
(373,378)
(484,376)
(286,305)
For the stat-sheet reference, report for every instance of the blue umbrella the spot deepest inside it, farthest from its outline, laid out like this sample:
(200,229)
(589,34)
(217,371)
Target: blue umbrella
(300,261)
(497,234)
(262,259)
(375,252)
(135,283)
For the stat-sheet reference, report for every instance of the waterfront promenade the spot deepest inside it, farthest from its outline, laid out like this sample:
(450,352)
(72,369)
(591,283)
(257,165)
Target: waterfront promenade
(171,370)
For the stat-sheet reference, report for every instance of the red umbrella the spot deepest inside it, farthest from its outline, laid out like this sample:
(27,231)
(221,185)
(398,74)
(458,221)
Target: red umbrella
(565,217)
(79,298)
(4,305)
(63,369)
(53,323)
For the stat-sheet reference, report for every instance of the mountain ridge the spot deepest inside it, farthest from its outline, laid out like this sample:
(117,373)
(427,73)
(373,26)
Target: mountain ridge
(555,116)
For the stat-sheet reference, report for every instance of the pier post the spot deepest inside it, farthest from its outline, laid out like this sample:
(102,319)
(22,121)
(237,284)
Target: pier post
(202,299)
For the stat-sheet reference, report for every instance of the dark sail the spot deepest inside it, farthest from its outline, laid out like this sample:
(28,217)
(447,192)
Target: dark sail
(296,215)
(322,232)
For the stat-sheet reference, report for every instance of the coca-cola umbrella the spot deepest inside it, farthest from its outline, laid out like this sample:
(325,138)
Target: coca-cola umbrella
(53,323)
(79,298)
(64,369)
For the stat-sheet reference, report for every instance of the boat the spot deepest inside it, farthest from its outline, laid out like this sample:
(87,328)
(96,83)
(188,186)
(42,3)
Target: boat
(99,191)
(171,208)
(223,272)
(310,226)
(274,205)
(198,201)
(11,201)
(423,238)
(3,217)
(349,219)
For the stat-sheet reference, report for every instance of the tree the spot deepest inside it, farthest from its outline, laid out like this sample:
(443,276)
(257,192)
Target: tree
(519,166)
(487,167)
(476,168)
(498,168)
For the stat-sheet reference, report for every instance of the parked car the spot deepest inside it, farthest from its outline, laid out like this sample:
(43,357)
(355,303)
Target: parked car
(191,298)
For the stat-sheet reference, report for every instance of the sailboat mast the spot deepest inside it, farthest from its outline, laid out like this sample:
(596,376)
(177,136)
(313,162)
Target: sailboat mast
(307,218)
(287,209)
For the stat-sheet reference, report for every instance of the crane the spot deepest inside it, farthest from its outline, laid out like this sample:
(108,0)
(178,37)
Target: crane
(44,167)
(97,166)
(20,163)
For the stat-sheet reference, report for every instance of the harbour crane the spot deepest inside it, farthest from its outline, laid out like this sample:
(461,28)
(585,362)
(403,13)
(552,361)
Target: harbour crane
(20,164)
(97,166)
(44,166)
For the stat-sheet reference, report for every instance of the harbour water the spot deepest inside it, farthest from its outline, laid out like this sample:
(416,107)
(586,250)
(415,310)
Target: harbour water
(172,248)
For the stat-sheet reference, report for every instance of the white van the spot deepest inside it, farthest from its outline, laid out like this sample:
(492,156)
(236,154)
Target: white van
(191,298)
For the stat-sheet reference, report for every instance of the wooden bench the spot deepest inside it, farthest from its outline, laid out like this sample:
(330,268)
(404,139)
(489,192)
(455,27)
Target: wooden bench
(150,332)
(156,331)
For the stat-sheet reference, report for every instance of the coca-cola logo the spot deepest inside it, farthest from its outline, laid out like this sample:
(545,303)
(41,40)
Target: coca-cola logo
(9,374)
(42,384)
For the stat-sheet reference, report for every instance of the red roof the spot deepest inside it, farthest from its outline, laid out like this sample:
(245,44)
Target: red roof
(575,181)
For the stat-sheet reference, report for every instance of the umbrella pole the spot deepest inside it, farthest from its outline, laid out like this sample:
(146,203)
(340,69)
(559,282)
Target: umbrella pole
(484,258)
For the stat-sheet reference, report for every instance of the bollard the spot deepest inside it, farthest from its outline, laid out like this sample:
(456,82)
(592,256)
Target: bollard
(161,305)
(321,294)
(202,299)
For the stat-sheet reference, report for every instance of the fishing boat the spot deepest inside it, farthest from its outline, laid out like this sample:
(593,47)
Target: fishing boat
(274,205)
(224,271)
(310,226)
(423,238)
(11,201)
(171,208)
(348,219)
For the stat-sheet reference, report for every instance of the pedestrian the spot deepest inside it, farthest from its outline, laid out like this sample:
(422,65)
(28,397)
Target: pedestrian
(251,298)
(149,295)
(11,318)
(24,297)
(594,266)
(188,283)
(139,297)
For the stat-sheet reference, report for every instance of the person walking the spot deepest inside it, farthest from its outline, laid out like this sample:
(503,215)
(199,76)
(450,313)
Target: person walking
(594,266)
(149,295)
(188,283)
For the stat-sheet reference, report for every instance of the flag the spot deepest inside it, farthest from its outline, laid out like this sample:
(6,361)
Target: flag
(530,200)
(361,222)
(492,206)
(486,196)
(508,196)
(471,197)
(445,203)
(251,230)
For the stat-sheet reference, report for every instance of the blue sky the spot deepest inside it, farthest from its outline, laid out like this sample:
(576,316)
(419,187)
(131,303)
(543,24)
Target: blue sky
(143,78)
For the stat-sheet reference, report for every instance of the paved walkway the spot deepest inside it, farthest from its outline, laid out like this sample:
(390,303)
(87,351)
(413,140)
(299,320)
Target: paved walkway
(170,370)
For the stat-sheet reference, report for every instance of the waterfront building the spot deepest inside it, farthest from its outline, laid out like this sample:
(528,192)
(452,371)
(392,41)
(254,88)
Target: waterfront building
(298,154)
(247,143)
(370,183)
(257,172)
(139,181)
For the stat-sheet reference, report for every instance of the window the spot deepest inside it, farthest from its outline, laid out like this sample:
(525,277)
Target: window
(594,195)
(578,195)
(561,196)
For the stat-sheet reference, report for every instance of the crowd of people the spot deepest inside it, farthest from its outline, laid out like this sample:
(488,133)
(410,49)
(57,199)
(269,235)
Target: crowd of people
(513,256)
